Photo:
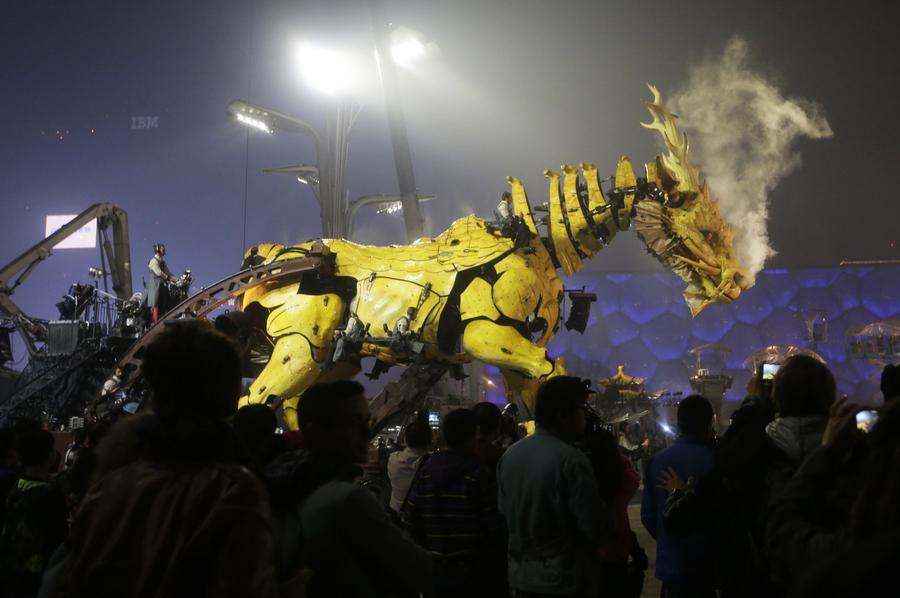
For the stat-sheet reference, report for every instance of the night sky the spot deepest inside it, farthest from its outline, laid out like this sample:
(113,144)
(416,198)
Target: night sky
(517,86)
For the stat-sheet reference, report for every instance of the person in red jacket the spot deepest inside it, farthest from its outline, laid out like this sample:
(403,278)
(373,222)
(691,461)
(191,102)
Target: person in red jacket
(617,480)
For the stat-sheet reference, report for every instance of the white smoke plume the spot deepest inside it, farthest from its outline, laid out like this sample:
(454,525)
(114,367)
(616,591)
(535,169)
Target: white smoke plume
(743,133)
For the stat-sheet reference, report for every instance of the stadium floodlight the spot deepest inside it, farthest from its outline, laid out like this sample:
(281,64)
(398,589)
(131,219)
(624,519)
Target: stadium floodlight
(328,71)
(406,46)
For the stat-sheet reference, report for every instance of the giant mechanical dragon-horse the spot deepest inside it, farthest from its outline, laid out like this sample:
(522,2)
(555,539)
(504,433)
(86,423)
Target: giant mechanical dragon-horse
(489,291)
(481,290)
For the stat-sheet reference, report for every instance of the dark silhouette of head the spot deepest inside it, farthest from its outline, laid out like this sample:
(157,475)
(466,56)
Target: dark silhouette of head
(803,386)
(877,507)
(34,448)
(193,371)
(695,415)
(7,447)
(460,429)
(559,406)
(418,434)
(606,461)
(255,426)
(890,382)
(334,418)
(490,420)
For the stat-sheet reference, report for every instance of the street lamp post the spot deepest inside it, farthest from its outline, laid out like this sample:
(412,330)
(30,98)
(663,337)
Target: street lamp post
(331,156)
(387,204)
(332,73)
(397,125)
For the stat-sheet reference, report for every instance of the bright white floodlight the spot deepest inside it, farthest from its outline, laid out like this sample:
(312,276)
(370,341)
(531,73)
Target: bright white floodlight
(407,51)
(326,70)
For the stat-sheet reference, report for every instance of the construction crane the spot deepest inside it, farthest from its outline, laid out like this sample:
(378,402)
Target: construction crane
(115,254)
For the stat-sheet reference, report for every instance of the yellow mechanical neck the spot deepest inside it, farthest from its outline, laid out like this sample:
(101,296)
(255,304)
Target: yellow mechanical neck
(579,227)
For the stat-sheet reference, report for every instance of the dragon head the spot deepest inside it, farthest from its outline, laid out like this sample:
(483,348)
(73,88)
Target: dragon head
(682,226)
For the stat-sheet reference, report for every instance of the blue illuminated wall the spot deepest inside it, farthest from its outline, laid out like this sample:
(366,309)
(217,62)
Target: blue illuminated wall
(641,321)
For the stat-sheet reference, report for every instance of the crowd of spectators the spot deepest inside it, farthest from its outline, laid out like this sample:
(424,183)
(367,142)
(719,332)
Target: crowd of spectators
(194,497)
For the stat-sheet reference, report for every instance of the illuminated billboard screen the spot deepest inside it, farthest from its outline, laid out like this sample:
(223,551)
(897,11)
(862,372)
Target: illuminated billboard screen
(84,238)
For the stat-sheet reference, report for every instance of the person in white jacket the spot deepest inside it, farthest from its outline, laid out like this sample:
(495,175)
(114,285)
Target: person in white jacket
(402,465)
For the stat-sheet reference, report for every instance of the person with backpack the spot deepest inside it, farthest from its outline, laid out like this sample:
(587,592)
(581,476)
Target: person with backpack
(35,522)
(402,465)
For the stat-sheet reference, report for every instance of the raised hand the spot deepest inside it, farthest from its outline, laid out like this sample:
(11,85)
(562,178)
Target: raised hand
(669,480)
(841,426)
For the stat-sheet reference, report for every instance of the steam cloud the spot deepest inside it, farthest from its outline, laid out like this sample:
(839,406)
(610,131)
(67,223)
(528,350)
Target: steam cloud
(744,136)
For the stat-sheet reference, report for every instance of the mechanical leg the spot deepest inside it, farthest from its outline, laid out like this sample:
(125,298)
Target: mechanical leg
(304,328)
(523,364)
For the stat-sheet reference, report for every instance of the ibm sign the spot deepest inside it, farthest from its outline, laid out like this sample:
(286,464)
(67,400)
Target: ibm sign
(144,122)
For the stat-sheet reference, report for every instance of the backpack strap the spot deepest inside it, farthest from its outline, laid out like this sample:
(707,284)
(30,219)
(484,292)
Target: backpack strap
(418,474)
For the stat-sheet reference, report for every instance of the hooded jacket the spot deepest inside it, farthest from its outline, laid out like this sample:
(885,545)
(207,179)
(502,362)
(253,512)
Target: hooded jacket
(797,437)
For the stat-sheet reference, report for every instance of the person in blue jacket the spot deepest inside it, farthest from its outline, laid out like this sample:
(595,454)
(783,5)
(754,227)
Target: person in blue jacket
(685,563)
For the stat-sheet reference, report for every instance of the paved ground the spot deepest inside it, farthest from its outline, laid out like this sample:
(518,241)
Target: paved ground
(652,586)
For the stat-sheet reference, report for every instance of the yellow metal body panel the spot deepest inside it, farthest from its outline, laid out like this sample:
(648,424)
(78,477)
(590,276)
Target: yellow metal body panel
(549,285)
(314,316)
(566,254)
(596,201)
(476,301)
(625,178)
(504,347)
(588,244)
(521,207)
(516,293)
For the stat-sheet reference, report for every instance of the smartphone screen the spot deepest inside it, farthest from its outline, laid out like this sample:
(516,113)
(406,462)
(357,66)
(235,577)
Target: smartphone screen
(769,370)
(866,419)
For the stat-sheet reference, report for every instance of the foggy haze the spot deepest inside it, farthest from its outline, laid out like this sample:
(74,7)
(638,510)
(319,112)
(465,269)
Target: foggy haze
(517,87)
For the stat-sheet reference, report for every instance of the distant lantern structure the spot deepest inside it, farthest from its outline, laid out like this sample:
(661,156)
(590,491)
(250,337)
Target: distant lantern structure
(623,398)
(711,379)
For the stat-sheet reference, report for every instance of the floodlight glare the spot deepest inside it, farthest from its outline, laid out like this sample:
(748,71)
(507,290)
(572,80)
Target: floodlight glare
(326,70)
(253,122)
(390,208)
(407,51)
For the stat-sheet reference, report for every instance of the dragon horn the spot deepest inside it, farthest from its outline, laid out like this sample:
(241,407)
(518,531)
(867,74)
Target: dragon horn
(676,162)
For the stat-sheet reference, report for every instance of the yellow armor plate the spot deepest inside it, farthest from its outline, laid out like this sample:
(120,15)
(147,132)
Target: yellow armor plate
(521,207)
(517,293)
(566,254)
(476,301)
(578,224)
(625,178)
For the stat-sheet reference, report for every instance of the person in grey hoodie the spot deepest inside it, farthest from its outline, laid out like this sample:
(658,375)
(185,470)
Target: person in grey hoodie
(803,391)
